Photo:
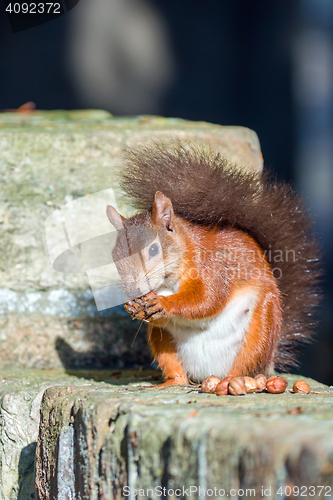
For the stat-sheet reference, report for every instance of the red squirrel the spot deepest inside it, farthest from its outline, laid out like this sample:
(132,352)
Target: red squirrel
(229,258)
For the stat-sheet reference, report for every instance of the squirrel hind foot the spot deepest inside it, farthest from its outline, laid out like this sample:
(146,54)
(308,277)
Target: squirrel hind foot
(172,382)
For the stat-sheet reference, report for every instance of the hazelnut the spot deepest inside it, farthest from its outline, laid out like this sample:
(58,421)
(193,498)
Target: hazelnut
(222,387)
(301,387)
(261,382)
(250,384)
(237,386)
(276,384)
(209,384)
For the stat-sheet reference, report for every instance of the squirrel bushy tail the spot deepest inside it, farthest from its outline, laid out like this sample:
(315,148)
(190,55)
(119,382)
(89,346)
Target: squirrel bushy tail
(206,189)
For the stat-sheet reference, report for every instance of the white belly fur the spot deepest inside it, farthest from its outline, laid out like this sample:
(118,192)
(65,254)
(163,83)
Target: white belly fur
(209,347)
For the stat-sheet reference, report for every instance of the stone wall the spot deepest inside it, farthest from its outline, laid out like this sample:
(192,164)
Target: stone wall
(109,442)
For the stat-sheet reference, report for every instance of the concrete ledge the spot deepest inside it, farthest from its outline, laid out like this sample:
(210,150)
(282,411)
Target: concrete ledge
(97,432)
(21,393)
(95,441)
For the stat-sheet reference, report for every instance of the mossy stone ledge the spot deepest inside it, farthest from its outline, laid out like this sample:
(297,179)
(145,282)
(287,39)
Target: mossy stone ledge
(114,440)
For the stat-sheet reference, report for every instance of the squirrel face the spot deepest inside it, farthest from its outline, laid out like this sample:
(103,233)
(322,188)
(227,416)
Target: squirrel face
(148,249)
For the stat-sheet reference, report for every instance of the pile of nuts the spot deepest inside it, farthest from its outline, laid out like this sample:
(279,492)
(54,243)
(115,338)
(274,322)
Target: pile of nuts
(244,385)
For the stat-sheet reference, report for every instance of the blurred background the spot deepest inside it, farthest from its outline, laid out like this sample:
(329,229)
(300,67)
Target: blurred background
(263,65)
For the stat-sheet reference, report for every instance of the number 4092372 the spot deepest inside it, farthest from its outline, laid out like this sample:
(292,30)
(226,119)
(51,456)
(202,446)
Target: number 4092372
(34,8)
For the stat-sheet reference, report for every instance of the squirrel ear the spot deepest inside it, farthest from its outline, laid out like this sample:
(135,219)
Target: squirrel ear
(162,212)
(115,218)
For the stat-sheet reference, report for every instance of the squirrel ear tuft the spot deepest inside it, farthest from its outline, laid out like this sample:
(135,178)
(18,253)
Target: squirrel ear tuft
(115,218)
(162,212)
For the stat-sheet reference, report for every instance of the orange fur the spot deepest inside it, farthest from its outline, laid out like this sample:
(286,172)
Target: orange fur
(216,266)
(215,197)
(163,350)
(215,238)
(260,343)
(206,296)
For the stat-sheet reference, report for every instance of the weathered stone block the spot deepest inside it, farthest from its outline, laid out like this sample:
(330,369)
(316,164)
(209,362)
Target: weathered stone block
(20,397)
(21,392)
(108,442)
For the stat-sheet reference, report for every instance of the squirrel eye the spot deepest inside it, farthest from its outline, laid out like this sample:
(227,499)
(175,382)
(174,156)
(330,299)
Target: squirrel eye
(153,250)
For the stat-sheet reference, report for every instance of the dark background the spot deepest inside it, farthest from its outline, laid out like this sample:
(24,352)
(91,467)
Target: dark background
(267,65)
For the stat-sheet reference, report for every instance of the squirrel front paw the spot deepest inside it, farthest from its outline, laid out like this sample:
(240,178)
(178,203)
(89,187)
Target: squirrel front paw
(146,308)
